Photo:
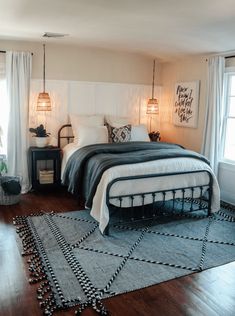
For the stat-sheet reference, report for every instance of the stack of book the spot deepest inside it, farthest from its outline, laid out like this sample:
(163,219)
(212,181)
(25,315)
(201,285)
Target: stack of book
(46,176)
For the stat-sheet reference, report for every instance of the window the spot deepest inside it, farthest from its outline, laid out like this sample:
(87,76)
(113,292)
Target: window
(229,117)
(3,107)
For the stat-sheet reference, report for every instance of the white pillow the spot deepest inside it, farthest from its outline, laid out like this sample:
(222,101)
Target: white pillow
(89,135)
(87,120)
(139,133)
(117,121)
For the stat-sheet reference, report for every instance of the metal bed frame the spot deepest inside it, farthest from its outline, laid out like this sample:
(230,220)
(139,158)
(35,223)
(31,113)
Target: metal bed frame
(151,211)
(61,136)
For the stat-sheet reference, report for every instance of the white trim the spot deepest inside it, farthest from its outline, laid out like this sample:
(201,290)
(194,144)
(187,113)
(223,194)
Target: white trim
(227,165)
(226,176)
(230,69)
(227,197)
(2,70)
(226,96)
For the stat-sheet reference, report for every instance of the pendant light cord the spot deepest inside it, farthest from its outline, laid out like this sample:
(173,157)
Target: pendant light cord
(44,68)
(153,79)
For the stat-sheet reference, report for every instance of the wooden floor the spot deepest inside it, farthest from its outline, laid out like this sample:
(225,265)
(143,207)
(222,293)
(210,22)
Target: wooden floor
(210,292)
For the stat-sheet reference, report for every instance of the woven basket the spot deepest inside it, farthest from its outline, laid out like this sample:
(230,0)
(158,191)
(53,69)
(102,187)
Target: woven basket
(6,199)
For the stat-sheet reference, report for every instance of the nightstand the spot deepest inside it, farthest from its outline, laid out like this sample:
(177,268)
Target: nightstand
(45,164)
(155,136)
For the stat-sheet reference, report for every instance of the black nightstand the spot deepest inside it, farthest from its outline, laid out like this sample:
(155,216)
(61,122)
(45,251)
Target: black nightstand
(43,176)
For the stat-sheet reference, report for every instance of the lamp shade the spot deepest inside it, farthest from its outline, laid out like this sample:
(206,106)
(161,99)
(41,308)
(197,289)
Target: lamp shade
(152,106)
(44,102)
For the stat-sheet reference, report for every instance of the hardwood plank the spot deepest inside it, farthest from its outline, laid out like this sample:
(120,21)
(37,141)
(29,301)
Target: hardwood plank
(209,293)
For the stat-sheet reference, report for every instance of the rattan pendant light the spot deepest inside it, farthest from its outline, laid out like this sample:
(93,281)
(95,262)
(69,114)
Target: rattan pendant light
(152,106)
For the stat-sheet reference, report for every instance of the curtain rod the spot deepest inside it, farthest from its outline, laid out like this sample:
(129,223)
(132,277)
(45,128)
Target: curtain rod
(4,52)
(227,57)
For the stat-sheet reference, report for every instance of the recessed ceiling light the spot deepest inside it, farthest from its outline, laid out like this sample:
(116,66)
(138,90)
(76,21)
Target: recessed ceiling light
(54,35)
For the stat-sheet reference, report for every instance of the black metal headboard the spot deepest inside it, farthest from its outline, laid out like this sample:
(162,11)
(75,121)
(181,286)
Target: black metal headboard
(62,136)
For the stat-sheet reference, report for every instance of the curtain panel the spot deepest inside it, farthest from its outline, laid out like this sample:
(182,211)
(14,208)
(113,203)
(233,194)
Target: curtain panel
(18,74)
(2,66)
(214,111)
(3,120)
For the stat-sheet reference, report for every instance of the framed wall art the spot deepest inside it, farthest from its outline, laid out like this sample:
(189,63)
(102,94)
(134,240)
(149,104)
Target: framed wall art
(186,98)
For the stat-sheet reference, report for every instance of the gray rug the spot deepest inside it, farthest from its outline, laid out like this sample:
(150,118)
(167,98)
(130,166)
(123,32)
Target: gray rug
(76,265)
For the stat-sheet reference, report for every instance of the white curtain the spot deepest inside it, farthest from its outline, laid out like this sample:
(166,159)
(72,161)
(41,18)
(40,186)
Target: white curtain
(18,73)
(4,110)
(214,111)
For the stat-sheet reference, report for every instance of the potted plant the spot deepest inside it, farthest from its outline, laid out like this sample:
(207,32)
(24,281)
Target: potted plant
(3,165)
(41,135)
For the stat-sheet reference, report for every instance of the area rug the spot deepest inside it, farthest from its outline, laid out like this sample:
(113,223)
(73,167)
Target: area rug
(76,265)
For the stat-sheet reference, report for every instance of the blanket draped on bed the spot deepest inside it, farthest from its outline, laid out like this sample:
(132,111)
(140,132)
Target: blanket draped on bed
(87,165)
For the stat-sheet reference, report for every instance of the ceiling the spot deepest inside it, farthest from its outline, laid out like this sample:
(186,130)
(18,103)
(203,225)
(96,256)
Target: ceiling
(164,29)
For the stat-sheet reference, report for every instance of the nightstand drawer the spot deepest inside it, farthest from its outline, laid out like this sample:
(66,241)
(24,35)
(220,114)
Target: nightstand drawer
(45,155)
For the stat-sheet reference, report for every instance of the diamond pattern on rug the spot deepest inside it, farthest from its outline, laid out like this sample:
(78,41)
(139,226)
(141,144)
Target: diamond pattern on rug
(116,243)
(226,231)
(99,273)
(81,266)
(171,252)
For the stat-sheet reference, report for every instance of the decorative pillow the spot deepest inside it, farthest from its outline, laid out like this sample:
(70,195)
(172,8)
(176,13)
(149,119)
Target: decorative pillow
(87,120)
(89,135)
(109,129)
(121,134)
(139,133)
(116,121)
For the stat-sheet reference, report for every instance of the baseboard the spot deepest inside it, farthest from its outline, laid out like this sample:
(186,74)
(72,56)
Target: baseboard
(227,197)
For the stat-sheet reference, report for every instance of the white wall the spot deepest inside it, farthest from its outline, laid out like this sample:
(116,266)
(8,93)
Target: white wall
(82,97)
(67,62)
(88,80)
(182,71)
(189,70)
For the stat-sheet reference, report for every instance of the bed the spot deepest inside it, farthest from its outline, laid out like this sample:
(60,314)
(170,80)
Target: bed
(128,176)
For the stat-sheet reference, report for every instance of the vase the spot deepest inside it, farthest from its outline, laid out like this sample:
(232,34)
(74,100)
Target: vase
(41,141)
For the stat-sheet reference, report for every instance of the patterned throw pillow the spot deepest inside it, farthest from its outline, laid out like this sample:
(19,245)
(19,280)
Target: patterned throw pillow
(120,134)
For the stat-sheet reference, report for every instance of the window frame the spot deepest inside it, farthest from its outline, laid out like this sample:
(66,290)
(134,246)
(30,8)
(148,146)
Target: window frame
(229,72)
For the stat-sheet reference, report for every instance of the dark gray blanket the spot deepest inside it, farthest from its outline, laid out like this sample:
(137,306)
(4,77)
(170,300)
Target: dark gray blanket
(87,165)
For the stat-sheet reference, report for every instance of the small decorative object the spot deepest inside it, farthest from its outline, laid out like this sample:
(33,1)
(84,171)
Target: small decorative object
(185,111)
(155,136)
(46,176)
(41,136)
(44,102)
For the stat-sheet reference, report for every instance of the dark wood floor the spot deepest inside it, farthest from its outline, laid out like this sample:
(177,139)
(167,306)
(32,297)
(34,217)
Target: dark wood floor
(210,292)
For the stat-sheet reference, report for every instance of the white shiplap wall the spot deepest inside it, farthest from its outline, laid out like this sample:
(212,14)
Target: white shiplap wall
(91,98)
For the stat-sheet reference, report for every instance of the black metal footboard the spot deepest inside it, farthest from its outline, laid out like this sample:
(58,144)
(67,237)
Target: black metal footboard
(158,199)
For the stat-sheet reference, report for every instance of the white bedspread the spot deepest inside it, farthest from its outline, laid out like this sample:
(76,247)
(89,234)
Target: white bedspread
(99,208)
(67,150)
